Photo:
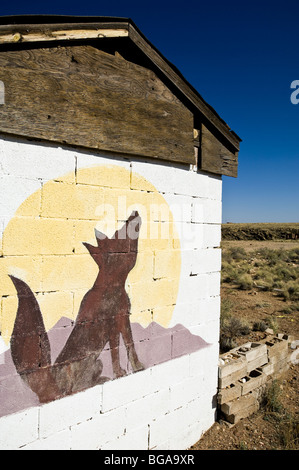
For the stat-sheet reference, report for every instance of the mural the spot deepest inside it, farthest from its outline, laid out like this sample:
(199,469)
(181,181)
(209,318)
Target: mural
(122,284)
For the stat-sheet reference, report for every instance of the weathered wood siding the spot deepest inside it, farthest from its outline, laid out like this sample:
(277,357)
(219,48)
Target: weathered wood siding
(215,157)
(82,96)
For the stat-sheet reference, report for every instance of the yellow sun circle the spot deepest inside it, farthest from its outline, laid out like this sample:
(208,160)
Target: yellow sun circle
(43,245)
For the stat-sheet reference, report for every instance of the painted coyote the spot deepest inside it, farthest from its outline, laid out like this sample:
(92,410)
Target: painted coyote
(103,316)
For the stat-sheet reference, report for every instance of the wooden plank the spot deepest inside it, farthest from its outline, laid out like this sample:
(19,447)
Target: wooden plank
(83,96)
(62,31)
(215,156)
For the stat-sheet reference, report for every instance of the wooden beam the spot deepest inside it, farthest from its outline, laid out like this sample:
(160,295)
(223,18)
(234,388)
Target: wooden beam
(215,157)
(55,34)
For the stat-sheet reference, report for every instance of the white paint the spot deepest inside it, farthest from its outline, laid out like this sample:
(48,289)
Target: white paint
(170,405)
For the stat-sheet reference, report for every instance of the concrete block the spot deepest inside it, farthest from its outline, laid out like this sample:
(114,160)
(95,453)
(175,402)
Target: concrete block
(252,381)
(206,211)
(85,164)
(19,429)
(68,273)
(257,362)
(36,161)
(275,369)
(39,236)
(121,391)
(158,176)
(164,262)
(59,415)
(201,286)
(206,261)
(180,207)
(169,373)
(71,201)
(276,347)
(215,187)
(103,428)
(251,351)
(255,354)
(229,393)
(230,363)
(211,235)
(191,183)
(58,441)
(239,404)
(11,200)
(243,413)
(136,439)
(186,391)
(143,411)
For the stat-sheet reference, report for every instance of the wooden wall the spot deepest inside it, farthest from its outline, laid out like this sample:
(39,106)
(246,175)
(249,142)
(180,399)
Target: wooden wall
(82,96)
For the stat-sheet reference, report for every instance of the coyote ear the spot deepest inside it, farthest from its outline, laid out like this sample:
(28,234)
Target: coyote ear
(93,250)
(99,236)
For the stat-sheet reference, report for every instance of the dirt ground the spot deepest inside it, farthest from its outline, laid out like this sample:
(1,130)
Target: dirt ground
(262,430)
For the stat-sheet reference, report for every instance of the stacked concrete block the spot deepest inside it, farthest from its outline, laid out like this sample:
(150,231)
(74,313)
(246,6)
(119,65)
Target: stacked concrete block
(278,355)
(246,370)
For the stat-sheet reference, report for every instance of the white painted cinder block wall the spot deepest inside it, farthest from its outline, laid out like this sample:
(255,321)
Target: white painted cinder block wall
(167,406)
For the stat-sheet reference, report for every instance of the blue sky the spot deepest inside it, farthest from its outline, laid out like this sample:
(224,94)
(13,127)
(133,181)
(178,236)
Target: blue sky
(242,57)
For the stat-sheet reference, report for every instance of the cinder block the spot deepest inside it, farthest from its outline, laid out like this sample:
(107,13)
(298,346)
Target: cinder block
(230,363)
(275,369)
(257,362)
(126,389)
(105,427)
(206,261)
(170,372)
(99,170)
(201,286)
(180,207)
(68,273)
(229,393)
(146,409)
(243,413)
(147,177)
(136,439)
(58,441)
(164,263)
(27,268)
(251,351)
(191,183)
(255,354)
(39,236)
(276,347)
(61,414)
(252,381)
(27,198)
(186,391)
(19,429)
(211,236)
(72,201)
(239,404)
(215,187)
(22,158)
(206,211)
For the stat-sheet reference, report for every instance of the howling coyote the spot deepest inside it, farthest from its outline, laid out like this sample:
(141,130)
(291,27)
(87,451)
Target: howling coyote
(102,317)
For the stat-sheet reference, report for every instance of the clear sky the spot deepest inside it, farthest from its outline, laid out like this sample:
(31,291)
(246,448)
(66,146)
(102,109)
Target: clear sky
(242,57)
